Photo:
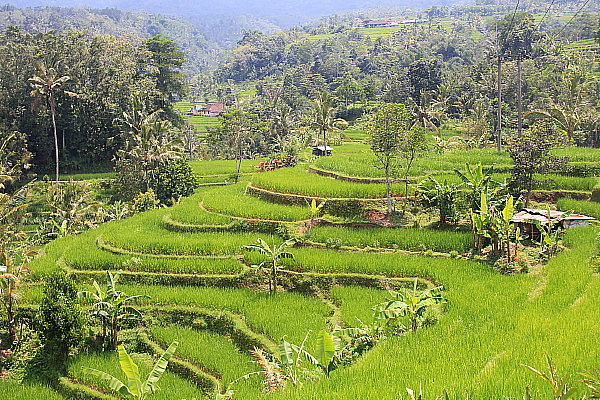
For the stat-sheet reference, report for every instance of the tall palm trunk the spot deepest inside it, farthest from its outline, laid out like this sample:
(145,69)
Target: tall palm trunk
(53,112)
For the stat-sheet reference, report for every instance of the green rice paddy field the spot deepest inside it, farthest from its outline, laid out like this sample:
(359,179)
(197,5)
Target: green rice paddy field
(491,325)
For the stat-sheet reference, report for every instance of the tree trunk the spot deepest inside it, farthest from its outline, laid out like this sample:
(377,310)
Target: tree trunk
(388,189)
(274,273)
(406,194)
(53,112)
(114,331)
(11,324)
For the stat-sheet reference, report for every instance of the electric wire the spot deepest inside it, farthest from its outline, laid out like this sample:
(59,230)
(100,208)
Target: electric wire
(547,11)
(513,19)
(578,11)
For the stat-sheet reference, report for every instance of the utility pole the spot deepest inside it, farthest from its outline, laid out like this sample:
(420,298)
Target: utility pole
(520,96)
(499,127)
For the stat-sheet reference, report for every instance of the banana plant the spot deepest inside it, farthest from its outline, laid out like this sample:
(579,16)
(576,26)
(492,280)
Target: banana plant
(135,388)
(111,306)
(550,233)
(495,224)
(479,182)
(327,347)
(560,385)
(315,210)
(273,253)
(408,303)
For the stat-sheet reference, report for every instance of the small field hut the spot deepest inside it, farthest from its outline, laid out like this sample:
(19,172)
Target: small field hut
(322,150)
(526,218)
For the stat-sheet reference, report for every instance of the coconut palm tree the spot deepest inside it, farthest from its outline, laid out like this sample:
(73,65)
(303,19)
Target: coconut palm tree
(427,112)
(323,116)
(47,85)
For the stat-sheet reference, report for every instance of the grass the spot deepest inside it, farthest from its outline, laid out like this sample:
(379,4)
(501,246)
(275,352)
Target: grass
(493,323)
(277,315)
(189,211)
(232,200)
(81,252)
(297,181)
(214,353)
(365,164)
(143,233)
(356,303)
(13,390)
(575,154)
(169,383)
(222,167)
(589,208)
(87,177)
(405,239)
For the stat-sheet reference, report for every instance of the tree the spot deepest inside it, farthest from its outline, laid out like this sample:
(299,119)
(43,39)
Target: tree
(442,196)
(518,34)
(148,140)
(424,75)
(323,116)
(483,190)
(349,90)
(531,155)
(238,131)
(570,114)
(388,131)
(167,59)
(136,388)
(47,85)
(60,320)
(174,179)
(111,306)
(428,112)
(396,144)
(414,145)
(72,208)
(273,253)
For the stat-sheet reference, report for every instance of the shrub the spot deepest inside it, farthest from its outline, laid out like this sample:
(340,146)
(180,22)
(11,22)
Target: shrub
(60,321)
(174,180)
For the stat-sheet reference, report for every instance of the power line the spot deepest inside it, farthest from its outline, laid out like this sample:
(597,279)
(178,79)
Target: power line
(513,19)
(578,11)
(547,10)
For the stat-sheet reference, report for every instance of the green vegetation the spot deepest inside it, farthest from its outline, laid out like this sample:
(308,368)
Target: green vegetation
(297,181)
(232,200)
(395,238)
(283,254)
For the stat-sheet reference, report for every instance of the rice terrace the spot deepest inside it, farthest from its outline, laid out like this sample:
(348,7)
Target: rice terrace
(381,204)
(206,295)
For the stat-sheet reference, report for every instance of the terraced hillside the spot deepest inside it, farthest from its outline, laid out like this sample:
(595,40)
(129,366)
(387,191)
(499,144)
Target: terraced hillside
(207,294)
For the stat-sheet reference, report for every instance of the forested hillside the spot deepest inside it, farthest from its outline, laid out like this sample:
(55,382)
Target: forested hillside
(200,54)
